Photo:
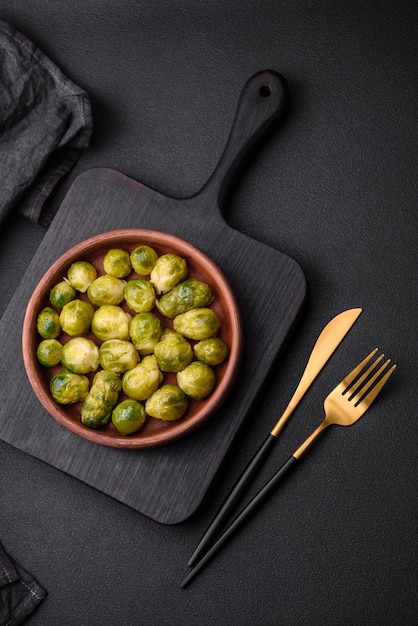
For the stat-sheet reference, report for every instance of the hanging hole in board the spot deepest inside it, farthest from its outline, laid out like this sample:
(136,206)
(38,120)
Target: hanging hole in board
(265,91)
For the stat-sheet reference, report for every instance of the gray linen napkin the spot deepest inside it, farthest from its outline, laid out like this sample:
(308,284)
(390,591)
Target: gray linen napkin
(45,124)
(20,593)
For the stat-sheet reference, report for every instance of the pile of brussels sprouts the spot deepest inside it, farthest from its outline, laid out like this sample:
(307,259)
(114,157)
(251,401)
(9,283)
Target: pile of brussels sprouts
(143,318)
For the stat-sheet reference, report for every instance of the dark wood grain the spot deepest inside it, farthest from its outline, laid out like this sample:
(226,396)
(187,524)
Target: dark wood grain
(167,483)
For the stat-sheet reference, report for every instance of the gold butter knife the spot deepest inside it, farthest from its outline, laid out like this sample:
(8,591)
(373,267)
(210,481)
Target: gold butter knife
(327,342)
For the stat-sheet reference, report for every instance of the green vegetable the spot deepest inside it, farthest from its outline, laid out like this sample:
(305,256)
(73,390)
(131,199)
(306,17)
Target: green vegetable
(80,275)
(168,403)
(197,324)
(68,388)
(117,262)
(110,321)
(189,294)
(169,270)
(62,293)
(118,356)
(48,352)
(128,417)
(80,355)
(211,351)
(106,289)
(197,380)
(173,352)
(140,382)
(48,323)
(145,330)
(101,399)
(143,259)
(139,295)
(76,317)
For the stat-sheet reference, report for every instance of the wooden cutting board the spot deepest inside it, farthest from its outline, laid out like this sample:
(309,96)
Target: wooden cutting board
(166,483)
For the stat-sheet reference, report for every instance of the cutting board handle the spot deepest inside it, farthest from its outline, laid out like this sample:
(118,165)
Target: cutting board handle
(263,100)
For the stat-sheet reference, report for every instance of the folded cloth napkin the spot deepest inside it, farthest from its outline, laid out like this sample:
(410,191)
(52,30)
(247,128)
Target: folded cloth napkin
(45,124)
(20,593)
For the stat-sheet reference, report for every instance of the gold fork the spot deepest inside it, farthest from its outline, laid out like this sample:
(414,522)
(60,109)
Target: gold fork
(343,406)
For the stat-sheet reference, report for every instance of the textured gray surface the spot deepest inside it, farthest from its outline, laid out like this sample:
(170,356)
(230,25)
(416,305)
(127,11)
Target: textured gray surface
(336,189)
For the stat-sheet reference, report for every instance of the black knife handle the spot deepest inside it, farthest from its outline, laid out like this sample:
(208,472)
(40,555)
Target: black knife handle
(249,510)
(233,498)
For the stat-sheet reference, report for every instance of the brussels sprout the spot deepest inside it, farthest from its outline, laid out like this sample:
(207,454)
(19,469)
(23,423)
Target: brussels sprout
(211,351)
(76,317)
(197,324)
(48,323)
(173,352)
(62,293)
(197,380)
(117,262)
(68,388)
(168,403)
(140,382)
(143,259)
(48,352)
(169,270)
(139,295)
(128,416)
(118,356)
(189,294)
(106,289)
(101,399)
(80,355)
(110,321)
(145,330)
(80,275)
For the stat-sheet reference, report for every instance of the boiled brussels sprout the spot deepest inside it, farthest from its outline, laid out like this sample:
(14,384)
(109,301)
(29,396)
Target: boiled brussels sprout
(110,321)
(48,352)
(169,270)
(211,351)
(48,323)
(117,262)
(68,388)
(197,324)
(80,355)
(139,295)
(197,380)
(80,275)
(189,294)
(168,403)
(101,399)
(140,382)
(145,330)
(106,289)
(76,317)
(118,356)
(62,293)
(143,259)
(128,416)
(173,352)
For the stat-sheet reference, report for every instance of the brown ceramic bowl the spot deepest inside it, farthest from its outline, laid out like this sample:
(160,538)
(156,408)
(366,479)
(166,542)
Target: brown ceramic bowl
(154,432)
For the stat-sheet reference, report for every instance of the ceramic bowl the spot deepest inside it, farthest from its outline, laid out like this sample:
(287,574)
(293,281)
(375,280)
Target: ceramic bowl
(154,432)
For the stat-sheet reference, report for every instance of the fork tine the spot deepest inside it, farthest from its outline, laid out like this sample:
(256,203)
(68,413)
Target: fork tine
(362,389)
(368,399)
(359,383)
(344,384)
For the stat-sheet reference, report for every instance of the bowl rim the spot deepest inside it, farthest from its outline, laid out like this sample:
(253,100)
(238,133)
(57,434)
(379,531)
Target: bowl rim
(176,429)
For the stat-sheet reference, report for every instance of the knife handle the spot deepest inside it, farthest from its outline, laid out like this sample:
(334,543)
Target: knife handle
(245,514)
(263,100)
(232,499)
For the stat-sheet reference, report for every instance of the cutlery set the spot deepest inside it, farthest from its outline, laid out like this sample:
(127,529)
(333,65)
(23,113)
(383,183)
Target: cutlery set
(343,407)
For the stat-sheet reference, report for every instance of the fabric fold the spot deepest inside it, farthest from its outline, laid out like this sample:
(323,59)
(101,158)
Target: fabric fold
(45,124)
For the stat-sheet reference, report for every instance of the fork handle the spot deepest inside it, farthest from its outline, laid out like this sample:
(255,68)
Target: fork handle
(234,496)
(251,507)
